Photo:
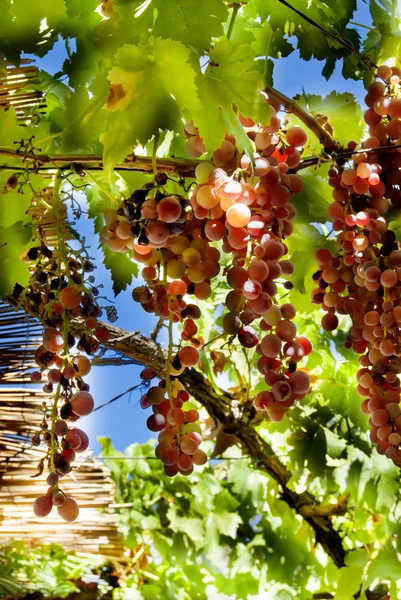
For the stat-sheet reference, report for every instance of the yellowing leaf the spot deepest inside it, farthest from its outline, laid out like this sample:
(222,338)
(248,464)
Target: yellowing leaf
(151,88)
(124,89)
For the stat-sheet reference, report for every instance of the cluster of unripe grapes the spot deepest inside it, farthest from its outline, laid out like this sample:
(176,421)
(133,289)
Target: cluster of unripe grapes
(363,279)
(61,289)
(180,433)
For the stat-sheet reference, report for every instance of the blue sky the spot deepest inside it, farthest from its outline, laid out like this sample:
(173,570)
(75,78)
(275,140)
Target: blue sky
(124,421)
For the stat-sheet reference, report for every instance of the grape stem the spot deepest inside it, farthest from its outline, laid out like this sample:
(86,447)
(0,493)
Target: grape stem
(57,201)
(236,8)
(170,333)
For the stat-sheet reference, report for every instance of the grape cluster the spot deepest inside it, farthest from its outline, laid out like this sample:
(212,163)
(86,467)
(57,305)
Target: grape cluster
(246,209)
(252,214)
(60,289)
(179,430)
(363,279)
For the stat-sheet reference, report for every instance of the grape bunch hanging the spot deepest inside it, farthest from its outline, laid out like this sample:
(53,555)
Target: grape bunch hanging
(61,288)
(362,279)
(241,207)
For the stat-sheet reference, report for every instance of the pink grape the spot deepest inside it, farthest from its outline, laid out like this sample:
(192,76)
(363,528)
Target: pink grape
(271,345)
(42,506)
(58,499)
(82,403)
(299,382)
(69,510)
(84,440)
(169,209)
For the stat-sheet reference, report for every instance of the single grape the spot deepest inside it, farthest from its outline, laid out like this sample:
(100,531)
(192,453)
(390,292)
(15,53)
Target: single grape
(169,209)
(82,403)
(53,341)
(42,506)
(188,356)
(69,510)
(82,364)
(58,499)
(70,297)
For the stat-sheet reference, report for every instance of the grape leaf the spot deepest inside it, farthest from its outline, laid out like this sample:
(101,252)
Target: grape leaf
(348,582)
(270,43)
(138,70)
(122,269)
(192,527)
(379,14)
(312,201)
(81,18)
(228,79)
(10,131)
(28,20)
(335,444)
(386,565)
(13,241)
(150,89)
(311,41)
(81,64)
(192,22)
(383,42)
(13,206)
(227,523)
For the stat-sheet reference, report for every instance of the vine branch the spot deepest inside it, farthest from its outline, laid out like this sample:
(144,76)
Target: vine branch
(183,167)
(89,162)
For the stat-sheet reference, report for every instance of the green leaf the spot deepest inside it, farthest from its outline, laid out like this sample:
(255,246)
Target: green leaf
(312,201)
(228,80)
(233,126)
(348,582)
(121,267)
(311,41)
(191,22)
(13,206)
(379,14)
(302,245)
(82,64)
(270,43)
(386,565)
(387,492)
(83,121)
(227,523)
(10,131)
(335,445)
(14,240)
(192,527)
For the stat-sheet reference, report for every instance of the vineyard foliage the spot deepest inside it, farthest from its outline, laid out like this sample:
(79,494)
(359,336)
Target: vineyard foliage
(298,505)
